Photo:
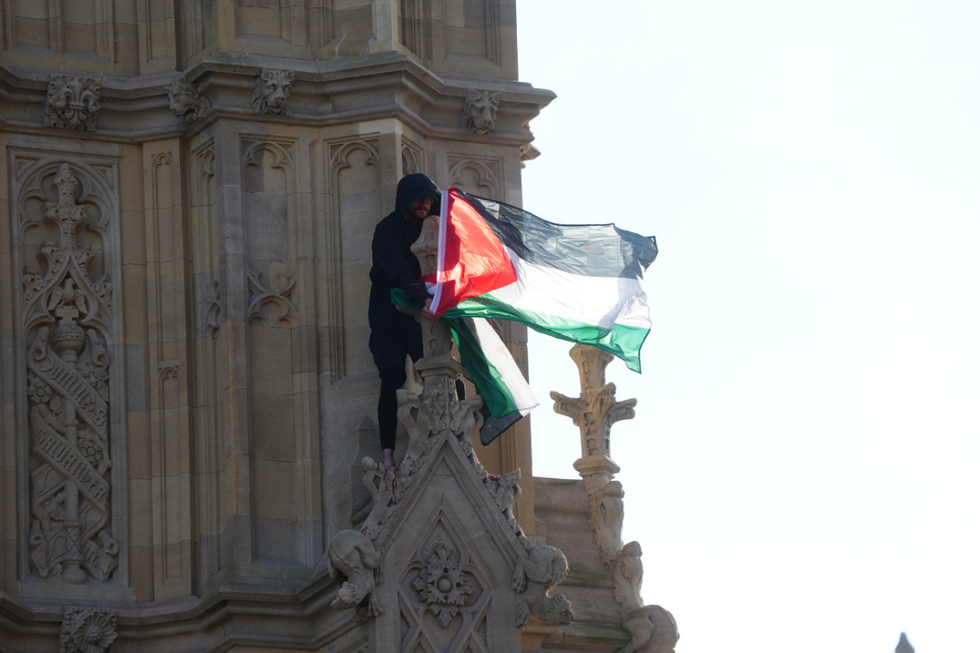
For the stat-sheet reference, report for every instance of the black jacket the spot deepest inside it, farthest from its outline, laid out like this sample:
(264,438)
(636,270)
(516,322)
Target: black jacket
(393,264)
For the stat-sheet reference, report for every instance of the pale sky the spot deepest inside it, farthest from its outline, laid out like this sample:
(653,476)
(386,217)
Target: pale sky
(803,472)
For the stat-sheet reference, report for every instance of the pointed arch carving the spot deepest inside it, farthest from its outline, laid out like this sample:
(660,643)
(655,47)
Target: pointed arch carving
(477,176)
(354,176)
(68,325)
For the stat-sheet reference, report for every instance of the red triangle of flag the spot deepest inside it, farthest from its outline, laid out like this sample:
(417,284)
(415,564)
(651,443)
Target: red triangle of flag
(473,261)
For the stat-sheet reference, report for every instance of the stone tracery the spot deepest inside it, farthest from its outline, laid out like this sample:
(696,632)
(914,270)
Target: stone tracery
(68,372)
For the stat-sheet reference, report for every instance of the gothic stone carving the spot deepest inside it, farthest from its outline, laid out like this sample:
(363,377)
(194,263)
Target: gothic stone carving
(442,584)
(72,102)
(187,102)
(534,578)
(66,321)
(354,554)
(277,298)
(654,631)
(272,92)
(480,111)
(87,630)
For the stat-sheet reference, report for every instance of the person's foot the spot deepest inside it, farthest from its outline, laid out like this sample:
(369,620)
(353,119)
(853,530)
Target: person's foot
(389,455)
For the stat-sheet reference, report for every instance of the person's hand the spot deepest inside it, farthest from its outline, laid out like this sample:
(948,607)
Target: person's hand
(427,314)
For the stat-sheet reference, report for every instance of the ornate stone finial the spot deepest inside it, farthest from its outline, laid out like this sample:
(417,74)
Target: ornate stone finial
(480,111)
(187,102)
(87,630)
(272,92)
(354,554)
(426,248)
(594,411)
(903,645)
(534,578)
(72,102)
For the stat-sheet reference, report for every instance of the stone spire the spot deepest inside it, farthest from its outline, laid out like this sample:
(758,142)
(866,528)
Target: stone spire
(594,411)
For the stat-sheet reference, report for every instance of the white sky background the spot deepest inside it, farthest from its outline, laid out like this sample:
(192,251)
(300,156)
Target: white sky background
(804,469)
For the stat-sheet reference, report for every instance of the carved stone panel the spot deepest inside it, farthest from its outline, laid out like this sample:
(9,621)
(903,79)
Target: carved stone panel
(67,323)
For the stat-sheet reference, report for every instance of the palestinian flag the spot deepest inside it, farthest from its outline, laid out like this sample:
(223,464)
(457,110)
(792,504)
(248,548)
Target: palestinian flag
(582,283)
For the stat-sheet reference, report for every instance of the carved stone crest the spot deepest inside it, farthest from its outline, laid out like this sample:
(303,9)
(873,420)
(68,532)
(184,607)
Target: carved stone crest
(72,102)
(68,372)
(272,92)
(87,630)
(480,111)
(187,102)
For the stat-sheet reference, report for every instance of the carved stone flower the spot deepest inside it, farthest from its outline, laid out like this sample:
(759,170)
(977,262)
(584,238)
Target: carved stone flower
(92,452)
(443,585)
(38,391)
(86,630)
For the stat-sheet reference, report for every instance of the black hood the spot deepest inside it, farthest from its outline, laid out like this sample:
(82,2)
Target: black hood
(415,187)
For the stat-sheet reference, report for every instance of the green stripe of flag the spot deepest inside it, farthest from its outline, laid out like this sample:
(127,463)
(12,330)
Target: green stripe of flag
(621,341)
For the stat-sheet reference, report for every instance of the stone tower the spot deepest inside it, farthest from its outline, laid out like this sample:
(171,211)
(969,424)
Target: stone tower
(188,190)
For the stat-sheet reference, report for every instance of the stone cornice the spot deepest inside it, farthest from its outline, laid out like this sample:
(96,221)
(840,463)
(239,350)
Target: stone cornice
(323,93)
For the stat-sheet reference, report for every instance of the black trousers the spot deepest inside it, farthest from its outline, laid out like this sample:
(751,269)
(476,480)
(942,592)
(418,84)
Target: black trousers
(389,344)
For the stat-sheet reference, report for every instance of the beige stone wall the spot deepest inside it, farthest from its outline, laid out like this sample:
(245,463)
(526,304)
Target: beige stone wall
(188,192)
(143,37)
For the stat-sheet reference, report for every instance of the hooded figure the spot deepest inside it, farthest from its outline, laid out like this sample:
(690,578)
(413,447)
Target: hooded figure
(394,333)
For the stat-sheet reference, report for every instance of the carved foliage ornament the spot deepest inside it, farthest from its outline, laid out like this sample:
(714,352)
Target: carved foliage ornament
(72,102)
(480,111)
(272,92)
(87,630)
(187,102)
(442,584)
(68,372)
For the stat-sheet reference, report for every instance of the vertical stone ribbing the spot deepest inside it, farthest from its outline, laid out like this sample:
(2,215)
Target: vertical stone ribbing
(170,370)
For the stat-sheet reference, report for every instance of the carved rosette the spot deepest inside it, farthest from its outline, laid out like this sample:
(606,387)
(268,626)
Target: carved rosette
(72,102)
(66,321)
(442,584)
(87,630)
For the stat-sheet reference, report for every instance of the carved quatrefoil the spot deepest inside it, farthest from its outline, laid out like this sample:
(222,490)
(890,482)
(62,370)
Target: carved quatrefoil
(443,585)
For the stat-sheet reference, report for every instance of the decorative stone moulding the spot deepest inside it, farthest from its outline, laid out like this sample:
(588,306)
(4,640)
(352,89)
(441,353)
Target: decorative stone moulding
(87,630)
(186,102)
(480,111)
(72,102)
(272,92)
